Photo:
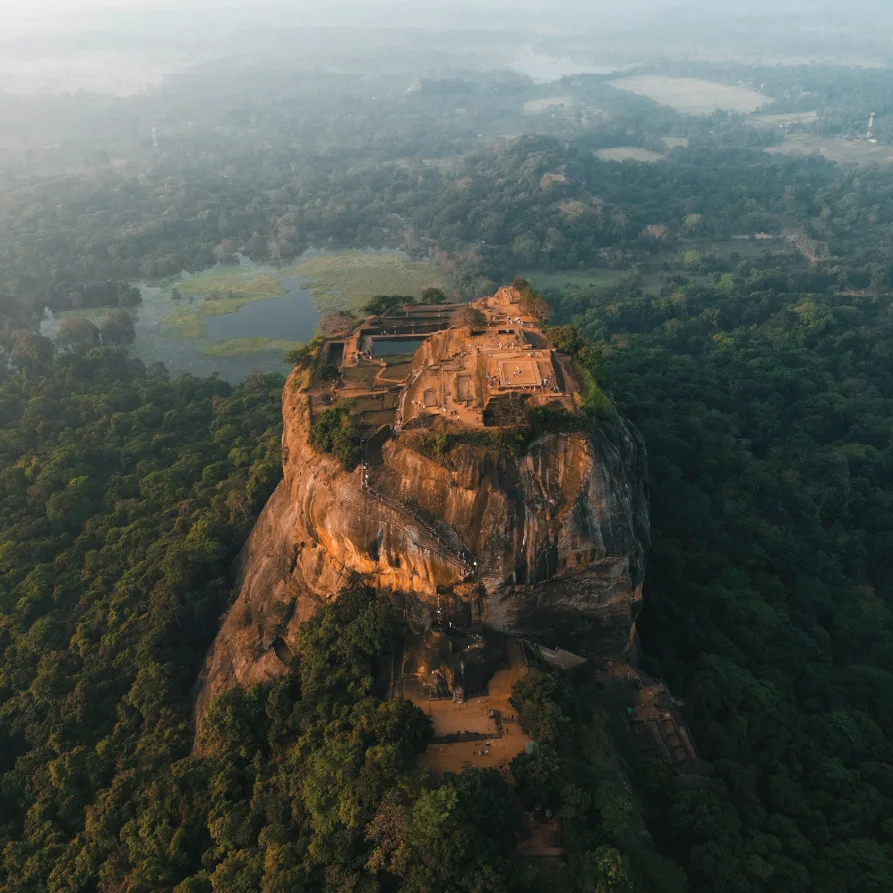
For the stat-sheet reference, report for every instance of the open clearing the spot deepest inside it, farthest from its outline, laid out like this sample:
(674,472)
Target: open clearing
(675,142)
(536,106)
(691,95)
(842,151)
(473,715)
(543,68)
(786,118)
(348,281)
(628,153)
(564,280)
(237,282)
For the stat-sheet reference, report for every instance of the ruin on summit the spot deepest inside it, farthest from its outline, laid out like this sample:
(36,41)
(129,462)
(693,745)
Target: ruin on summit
(458,362)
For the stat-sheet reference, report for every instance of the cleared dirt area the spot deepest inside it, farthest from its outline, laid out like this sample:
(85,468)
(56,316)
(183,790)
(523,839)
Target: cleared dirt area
(840,150)
(628,153)
(539,837)
(787,118)
(692,96)
(537,106)
(473,715)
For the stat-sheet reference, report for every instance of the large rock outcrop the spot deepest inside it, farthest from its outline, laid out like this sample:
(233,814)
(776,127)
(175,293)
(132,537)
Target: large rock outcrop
(549,544)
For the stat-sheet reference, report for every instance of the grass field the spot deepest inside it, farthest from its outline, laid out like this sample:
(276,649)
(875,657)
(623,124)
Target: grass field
(237,347)
(365,404)
(691,95)
(537,106)
(839,150)
(396,359)
(240,282)
(347,281)
(786,118)
(628,153)
(397,371)
(364,375)
(375,418)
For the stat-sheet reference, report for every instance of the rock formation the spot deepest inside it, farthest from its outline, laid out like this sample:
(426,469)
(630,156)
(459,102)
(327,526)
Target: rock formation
(548,543)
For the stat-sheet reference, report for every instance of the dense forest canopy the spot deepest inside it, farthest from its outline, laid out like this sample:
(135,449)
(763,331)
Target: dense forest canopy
(762,383)
(767,415)
(523,203)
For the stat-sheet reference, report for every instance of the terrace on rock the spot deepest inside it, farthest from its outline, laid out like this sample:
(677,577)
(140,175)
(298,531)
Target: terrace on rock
(458,371)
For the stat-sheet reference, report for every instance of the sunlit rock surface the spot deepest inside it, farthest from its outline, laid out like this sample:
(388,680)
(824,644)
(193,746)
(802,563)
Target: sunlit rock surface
(549,544)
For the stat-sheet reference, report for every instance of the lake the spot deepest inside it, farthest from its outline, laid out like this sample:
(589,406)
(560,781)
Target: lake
(292,317)
(235,319)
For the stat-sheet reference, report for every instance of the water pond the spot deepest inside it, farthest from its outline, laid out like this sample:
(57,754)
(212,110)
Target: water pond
(387,347)
(284,318)
(292,317)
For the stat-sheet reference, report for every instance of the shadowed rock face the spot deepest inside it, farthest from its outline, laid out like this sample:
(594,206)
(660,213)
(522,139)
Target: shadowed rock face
(549,545)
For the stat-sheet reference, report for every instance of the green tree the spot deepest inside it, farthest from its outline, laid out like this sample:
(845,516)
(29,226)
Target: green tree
(469,316)
(606,871)
(301,356)
(77,333)
(118,329)
(335,432)
(31,351)
(338,322)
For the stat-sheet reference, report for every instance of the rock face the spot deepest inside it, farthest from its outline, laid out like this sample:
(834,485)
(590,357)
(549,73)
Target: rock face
(549,544)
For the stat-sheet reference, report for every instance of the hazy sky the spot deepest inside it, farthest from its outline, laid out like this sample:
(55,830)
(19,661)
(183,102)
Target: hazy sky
(337,11)
(23,15)
(49,46)
(18,10)
(17,14)
(189,17)
(29,9)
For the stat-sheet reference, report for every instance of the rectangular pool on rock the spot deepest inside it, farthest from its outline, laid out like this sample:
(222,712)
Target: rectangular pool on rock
(390,347)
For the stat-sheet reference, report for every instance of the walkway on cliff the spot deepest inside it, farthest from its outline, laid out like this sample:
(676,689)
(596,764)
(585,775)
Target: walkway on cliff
(443,542)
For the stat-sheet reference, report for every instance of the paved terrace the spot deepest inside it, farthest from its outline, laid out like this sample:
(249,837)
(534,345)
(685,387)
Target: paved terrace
(457,373)
(490,714)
